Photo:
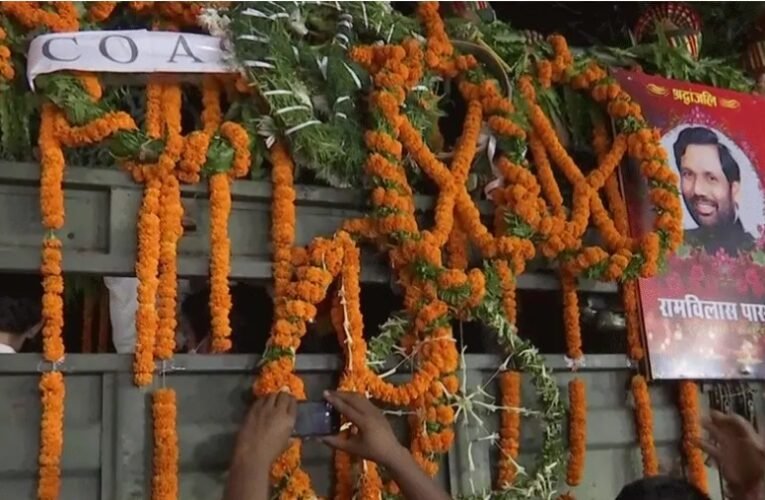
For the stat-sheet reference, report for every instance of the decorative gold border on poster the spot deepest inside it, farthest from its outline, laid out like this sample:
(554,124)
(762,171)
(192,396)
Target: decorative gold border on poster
(657,89)
(730,103)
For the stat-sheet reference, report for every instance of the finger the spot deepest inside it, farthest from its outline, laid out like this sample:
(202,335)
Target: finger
(341,443)
(717,416)
(253,410)
(357,401)
(268,401)
(709,448)
(743,427)
(715,432)
(344,407)
(282,401)
(292,408)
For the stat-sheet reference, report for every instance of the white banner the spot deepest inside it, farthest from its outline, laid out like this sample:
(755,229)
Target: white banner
(129,51)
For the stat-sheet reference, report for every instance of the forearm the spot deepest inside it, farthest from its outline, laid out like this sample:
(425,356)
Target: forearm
(246,481)
(755,492)
(412,480)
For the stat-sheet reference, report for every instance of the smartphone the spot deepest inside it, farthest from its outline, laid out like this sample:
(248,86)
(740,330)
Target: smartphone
(316,418)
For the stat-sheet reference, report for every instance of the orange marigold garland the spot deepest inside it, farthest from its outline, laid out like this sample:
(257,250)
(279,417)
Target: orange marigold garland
(220,243)
(52,393)
(282,217)
(51,383)
(158,238)
(635,352)
(634,138)
(6,66)
(314,273)
(510,428)
(171,230)
(62,17)
(220,261)
(146,319)
(164,484)
(571,325)
(577,431)
(644,423)
(170,224)
(100,11)
(691,424)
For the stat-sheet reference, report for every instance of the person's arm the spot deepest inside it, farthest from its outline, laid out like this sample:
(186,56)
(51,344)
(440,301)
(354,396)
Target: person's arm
(264,436)
(739,453)
(375,441)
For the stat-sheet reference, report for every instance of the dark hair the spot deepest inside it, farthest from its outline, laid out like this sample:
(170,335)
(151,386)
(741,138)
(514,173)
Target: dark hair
(661,488)
(20,303)
(250,317)
(705,137)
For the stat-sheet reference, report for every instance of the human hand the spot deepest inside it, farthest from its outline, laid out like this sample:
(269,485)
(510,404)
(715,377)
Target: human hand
(266,431)
(374,440)
(738,450)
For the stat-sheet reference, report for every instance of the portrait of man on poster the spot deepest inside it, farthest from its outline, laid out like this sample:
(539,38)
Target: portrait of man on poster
(710,182)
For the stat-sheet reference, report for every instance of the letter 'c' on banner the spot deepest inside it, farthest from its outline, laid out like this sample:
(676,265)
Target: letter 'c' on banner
(130,51)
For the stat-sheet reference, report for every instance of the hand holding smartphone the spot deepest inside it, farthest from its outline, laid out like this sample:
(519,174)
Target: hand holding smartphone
(316,419)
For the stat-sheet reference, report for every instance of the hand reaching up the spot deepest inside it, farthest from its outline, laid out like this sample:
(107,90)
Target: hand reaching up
(375,441)
(739,452)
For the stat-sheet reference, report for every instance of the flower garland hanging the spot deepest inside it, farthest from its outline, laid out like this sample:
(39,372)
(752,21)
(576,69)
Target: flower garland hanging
(52,393)
(640,394)
(530,217)
(633,137)
(6,65)
(644,423)
(510,428)
(690,416)
(387,58)
(165,473)
(577,432)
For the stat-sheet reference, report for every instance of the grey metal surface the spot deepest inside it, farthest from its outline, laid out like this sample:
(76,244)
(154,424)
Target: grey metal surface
(100,237)
(108,426)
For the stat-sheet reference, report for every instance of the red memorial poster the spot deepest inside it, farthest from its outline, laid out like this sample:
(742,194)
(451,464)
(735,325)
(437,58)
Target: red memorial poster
(704,317)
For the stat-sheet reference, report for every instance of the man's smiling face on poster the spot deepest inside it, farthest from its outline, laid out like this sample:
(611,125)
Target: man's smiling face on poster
(710,177)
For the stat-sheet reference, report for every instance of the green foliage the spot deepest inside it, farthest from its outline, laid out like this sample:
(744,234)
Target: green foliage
(312,92)
(381,346)
(677,63)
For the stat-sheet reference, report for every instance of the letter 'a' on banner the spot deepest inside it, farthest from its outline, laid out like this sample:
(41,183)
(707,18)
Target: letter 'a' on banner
(129,51)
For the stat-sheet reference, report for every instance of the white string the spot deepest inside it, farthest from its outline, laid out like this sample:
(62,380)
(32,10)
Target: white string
(263,15)
(258,64)
(277,4)
(353,74)
(341,115)
(342,98)
(499,180)
(296,128)
(390,33)
(346,326)
(346,20)
(343,40)
(255,38)
(322,64)
(289,109)
(268,93)
(573,364)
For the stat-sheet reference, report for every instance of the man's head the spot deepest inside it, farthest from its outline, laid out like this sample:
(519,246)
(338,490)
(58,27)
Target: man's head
(20,310)
(661,488)
(710,179)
